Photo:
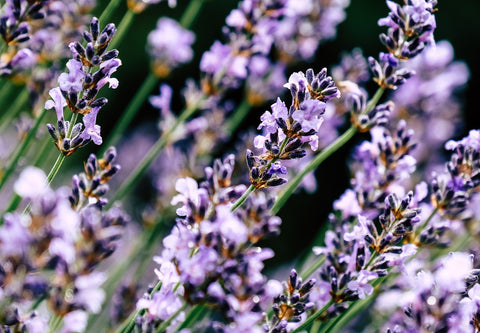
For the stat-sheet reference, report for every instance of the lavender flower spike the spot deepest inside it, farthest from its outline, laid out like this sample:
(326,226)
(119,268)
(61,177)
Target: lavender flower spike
(287,129)
(410,30)
(90,69)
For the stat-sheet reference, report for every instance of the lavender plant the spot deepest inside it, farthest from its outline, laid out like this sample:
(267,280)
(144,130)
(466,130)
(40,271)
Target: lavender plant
(183,242)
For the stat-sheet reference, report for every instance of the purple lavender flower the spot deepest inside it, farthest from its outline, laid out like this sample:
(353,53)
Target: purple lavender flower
(428,100)
(52,250)
(80,86)
(169,45)
(432,299)
(410,27)
(410,30)
(291,303)
(218,265)
(16,22)
(286,129)
(305,25)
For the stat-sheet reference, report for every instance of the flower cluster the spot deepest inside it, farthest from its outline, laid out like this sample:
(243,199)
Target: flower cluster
(404,234)
(15,29)
(289,306)
(443,298)
(287,129)
(219,266)
(89,70)
(428,99)
(410,29)
(51,253)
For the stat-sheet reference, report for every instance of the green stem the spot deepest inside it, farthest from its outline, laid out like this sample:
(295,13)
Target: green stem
(164,139)
(374,101)
(108,11)
(55,323)
(419,230)
(58,163)
(55,168)
(123,26)
(352,311)
(131,110)
(190,13)
(312,268)
(238,116)
(129,323)
(13,110)
(193,315)
(322,156)
(22,149)
(243,198)
(315,327)
(5,91)
(307,323)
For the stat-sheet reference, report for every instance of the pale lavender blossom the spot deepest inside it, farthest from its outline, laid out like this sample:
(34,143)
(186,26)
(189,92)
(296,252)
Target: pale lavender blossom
(89,294)
(169,46)
(361,283)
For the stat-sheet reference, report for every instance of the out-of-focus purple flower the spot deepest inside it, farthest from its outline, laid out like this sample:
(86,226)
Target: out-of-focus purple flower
(169,45)
(32,183)
(361,283)
(75,321)
(453,271)
(163,101)
(471,141)
(138,6)
(89,293)
(14,236)
(305,25)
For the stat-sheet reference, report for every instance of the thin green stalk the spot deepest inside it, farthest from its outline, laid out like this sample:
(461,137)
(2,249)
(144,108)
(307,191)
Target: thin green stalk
(312,268)
(123,26)
(12,111)
(374,101)
(190,13)
(164,139)
(292,185)
(54,324)
(307,323)
(5,92)
(129,324)
(238,116)
(131,110)
(22,149)
(243,198)
(55,168)
(352,311)
(108,11)
(419,230)
(193,315)
(315,327)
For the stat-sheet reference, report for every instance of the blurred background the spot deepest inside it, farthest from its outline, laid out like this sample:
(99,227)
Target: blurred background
(304,214)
